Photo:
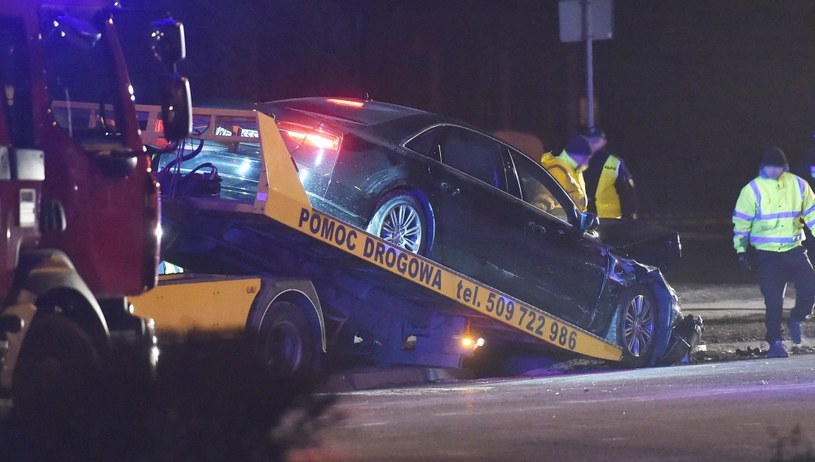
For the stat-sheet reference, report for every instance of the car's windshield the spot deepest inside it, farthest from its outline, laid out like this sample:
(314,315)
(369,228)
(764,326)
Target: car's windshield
(81,77)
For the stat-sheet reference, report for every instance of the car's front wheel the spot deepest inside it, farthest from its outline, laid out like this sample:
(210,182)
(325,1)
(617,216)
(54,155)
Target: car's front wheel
(636,329)
(401,220)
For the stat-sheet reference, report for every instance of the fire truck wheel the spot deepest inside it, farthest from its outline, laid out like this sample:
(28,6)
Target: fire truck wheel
(56,368)
(289,343)
(637,326)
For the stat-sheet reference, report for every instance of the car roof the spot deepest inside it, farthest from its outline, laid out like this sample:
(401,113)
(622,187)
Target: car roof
(360,111)
(390,123)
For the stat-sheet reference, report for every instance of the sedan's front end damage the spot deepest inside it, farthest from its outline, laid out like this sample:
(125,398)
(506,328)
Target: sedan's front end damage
(685,336)
(673,335)
(684,331)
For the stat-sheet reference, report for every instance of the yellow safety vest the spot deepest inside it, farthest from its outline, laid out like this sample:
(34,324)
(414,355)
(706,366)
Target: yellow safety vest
(770,214)
(565,171)
(607,200)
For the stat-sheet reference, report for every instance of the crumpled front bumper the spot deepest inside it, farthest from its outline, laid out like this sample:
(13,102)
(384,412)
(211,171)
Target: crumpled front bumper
(685,335)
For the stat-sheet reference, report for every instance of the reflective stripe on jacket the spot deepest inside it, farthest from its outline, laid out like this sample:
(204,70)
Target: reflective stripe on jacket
(607,199)
(565,170)
(770,214)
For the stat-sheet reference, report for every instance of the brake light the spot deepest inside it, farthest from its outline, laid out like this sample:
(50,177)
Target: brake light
(346,102)
(316,138)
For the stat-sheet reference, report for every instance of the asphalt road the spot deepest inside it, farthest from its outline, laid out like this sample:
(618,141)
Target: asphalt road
(738,411)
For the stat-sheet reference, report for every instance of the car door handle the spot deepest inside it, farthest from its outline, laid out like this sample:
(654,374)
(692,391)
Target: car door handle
(450,189)
(536,228)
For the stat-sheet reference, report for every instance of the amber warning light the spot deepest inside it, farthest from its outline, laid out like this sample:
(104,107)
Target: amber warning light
(468,342)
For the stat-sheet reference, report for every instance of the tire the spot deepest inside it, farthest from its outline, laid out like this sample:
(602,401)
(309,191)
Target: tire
(58,365)
(637,326)
(401,220)
(288,343)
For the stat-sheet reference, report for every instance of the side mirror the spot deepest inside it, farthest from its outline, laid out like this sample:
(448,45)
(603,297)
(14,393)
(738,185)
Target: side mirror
(176,108)
(589,222)
(169,47)
(168,42)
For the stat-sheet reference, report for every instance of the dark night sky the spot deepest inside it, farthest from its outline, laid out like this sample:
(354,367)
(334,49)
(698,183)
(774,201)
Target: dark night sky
(690,92)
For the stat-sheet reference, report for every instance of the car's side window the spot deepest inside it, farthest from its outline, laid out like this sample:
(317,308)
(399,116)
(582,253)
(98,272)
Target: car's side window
(534,188)
(475,155)
(427,143)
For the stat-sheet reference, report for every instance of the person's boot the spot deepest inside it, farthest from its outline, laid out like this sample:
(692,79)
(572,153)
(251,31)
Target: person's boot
(795,331)
(778,350)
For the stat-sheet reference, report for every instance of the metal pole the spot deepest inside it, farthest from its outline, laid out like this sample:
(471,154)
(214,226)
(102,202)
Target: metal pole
(588,37)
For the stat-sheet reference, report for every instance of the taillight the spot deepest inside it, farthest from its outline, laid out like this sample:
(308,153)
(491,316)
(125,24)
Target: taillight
(315,150)
(313,137)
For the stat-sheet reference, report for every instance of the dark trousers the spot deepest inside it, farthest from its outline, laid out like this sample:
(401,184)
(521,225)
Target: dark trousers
(775,270)
(809,242)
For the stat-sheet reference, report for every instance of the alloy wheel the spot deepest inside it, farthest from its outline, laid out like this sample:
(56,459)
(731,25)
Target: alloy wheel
(401,225)
(638,326)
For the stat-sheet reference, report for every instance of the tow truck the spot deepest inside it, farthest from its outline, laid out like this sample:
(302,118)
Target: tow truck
(315,291)
(80,209)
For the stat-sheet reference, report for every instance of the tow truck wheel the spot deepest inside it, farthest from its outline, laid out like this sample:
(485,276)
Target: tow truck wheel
(401,220)
(636,329)
(289,345)
(56,367)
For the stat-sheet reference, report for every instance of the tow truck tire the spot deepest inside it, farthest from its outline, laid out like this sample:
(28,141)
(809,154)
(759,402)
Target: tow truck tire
(637,325)
(289,344)
(401,220)
(56,369)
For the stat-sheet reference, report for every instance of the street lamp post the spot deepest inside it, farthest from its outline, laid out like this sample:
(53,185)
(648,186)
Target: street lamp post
(587,36)
(587,20)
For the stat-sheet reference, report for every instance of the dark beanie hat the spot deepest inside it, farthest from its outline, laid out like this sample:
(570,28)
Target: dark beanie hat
(579,145)
(774,157)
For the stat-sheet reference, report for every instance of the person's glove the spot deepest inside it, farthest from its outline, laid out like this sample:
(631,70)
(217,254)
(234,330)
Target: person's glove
(744,262)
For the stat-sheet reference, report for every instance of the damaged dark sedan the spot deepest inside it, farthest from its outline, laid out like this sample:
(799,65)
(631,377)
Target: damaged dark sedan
(451,192)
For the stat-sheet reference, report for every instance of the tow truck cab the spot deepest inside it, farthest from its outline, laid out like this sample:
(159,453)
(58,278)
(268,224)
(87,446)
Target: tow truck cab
(79,207)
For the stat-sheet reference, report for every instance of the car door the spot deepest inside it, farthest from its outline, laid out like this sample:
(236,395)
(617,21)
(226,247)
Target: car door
(562,268)
(470,184)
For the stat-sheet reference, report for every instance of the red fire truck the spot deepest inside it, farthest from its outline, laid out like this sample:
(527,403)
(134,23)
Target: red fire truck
(78,204)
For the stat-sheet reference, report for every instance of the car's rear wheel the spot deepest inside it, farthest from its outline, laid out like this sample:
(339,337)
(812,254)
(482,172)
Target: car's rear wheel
(636,329)
(401,220)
